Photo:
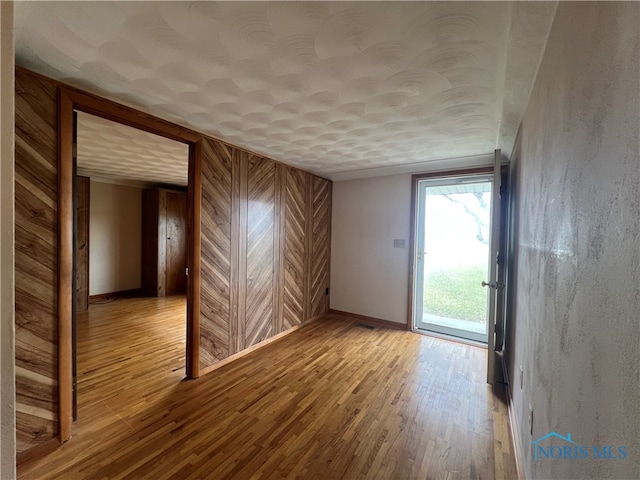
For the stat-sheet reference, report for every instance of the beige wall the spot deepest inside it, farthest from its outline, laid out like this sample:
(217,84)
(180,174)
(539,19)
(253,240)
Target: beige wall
(368,275)
(575,325)
(7,355)
(114,238)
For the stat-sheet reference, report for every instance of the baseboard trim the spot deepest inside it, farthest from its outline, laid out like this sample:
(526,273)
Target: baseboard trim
(377,322)
(37,451)
(257,346)
(101,297)
(518,451)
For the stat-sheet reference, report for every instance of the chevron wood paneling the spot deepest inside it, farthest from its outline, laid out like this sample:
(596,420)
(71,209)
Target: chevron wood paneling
(36,227)
(215,263)
(260,265)
(320,246)
(272,269)
(294,247)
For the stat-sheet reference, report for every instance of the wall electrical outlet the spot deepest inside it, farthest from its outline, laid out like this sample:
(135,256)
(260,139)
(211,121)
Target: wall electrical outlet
(530,420)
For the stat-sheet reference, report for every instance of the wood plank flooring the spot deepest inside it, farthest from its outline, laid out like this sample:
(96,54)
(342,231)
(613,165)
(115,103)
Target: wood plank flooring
(331,400)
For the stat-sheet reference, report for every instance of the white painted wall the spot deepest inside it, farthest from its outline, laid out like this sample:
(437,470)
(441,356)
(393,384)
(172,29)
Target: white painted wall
(115,226)
(368,275)
(575,319)
(7,320)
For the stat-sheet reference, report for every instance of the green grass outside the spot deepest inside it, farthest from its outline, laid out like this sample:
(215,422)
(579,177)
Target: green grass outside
(456,293)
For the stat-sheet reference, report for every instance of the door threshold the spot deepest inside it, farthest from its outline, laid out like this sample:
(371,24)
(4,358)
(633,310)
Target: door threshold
(451,338)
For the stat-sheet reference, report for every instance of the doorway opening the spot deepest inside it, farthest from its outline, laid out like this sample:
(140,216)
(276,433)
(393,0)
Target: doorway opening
(130,254)
(453,220)
(71,101)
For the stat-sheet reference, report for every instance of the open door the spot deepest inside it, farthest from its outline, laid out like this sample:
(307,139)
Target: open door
(494,286)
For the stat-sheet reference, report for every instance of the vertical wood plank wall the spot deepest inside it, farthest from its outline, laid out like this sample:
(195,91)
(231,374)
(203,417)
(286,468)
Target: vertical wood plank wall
(36,262)
(320,244)
(264,253)
(260,240)
(83,194)
(215,262)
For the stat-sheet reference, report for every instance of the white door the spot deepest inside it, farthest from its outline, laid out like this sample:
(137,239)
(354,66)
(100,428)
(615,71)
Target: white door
(493,285)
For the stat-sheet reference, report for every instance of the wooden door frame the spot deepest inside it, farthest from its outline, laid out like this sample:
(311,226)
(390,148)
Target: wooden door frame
(70,99)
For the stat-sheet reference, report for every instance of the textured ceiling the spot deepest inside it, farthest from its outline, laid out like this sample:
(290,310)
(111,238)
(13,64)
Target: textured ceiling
(333,87)
(110,150)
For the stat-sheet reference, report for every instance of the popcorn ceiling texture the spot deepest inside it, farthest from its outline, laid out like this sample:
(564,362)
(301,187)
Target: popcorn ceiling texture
(326,86)
(108,149)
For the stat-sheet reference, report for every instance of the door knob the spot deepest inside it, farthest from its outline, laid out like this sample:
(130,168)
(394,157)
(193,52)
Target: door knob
(490,285)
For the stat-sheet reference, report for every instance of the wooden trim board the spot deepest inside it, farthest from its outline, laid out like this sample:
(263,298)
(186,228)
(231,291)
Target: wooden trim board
(194,200)
(370,320)
(65,265)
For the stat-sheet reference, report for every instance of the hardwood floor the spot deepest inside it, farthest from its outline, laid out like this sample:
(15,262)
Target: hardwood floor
(331,400)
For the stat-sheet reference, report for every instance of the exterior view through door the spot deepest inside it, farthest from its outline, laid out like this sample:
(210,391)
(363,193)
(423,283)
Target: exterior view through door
(453,237)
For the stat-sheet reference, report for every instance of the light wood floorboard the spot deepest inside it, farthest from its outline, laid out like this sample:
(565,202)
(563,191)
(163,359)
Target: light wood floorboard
(331,400)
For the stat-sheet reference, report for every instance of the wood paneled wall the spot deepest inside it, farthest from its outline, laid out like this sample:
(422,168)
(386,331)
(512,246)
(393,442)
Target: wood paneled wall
(264,265)
(83,194)
(216,248)
(36,237)
(295,248)
(259,234)
(320,246)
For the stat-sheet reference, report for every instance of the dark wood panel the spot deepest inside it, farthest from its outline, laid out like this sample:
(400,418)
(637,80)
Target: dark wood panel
(216,253)
(164,242)
(294,246)
(176,249)
(235,279)
(320,245)
(36,261)
(260,272)
(82,243)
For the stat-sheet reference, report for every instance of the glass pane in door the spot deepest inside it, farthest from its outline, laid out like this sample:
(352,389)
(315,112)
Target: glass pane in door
(456,257)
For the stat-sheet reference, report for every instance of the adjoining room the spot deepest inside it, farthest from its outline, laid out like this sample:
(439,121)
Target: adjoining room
(131,267)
